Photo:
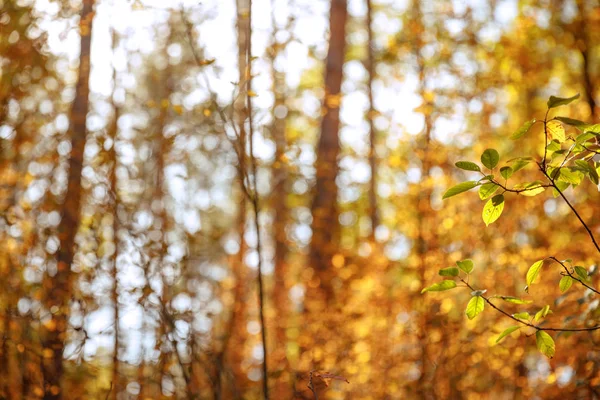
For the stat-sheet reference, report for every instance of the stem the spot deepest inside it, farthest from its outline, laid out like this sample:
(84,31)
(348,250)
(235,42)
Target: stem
(573,276)
(587,228)
(255,205)
(536,327)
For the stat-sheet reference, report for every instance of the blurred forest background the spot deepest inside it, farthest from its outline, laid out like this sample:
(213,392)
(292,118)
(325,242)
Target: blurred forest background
(184,182)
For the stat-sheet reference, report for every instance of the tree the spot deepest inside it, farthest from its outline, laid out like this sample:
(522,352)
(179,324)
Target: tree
(59,283)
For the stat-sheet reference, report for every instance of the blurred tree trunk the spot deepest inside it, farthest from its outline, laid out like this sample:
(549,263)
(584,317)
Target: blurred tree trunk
(325,225)
(236,344)
(370,65)
(584,43)
(58,284)
(425,232)
(283,386)
(112,158)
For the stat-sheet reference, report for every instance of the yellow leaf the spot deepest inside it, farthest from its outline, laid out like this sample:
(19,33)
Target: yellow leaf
(251,93)
(556,131)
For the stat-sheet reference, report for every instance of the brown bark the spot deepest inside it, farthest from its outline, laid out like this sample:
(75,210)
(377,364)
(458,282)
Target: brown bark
(325,225)
(116,383)
(370,65)
(424,229)
(582,36)
(236,343)
(283,388)
(58,285)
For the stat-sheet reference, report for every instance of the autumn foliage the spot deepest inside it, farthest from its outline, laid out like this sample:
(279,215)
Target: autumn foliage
(299,200)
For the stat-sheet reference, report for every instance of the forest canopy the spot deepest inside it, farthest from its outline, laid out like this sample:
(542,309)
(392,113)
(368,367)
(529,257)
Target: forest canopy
(299,199)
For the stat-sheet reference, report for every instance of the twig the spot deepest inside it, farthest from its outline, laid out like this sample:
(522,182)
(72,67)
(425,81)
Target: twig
(572,276)
(529,324)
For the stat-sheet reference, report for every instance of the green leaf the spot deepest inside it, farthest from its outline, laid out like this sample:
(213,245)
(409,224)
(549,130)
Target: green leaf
(520,163)
(493,209)
(595,128)
(562,186)
(534,271)
(487,189)
(530,189)
(542,313)
(522,315)
(475,306)
(554,102)
(515,300)
(451,271)
(468,166)
(588,170)
(556,131)
(460,188)
(507,332)
(440,287)
(581,273)
(506,172)
(466,265)
(568,175)
(565,283)
(545,344)
(523,130)
(571,121)
(490,158)
(584,137)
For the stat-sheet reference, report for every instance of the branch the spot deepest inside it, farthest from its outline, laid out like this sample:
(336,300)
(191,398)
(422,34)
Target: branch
(529,324)
(587,228)
(573,276)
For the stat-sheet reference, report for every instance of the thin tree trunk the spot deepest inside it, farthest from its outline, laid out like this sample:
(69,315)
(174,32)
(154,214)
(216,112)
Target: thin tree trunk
(325,225)
(116,382)
(236,343)
(58,284)
(584,44)
(424,230)
(283,388)
(370,64)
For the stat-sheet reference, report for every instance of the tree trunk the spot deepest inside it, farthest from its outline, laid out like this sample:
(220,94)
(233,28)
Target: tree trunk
(370,65)
(58,284)
(325,225)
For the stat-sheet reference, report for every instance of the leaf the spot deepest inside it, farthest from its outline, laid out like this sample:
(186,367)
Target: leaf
(507,332)
(595,128)
(571,121)
(581,273)
(532,188)
(542,313)
(493,209)
(466,265)
(545,344)
(506,172)
(440,287)
(554,102)
(523,130)
(520,164)
(490,158)
(584,137)
(451,271)
(487,189)
(588,170)
(568,175)
(556,131)
(468,166)
(460,188)
(562,186)
(565,283)
(515,300)
(534,271)
(522,315)
(475,307)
